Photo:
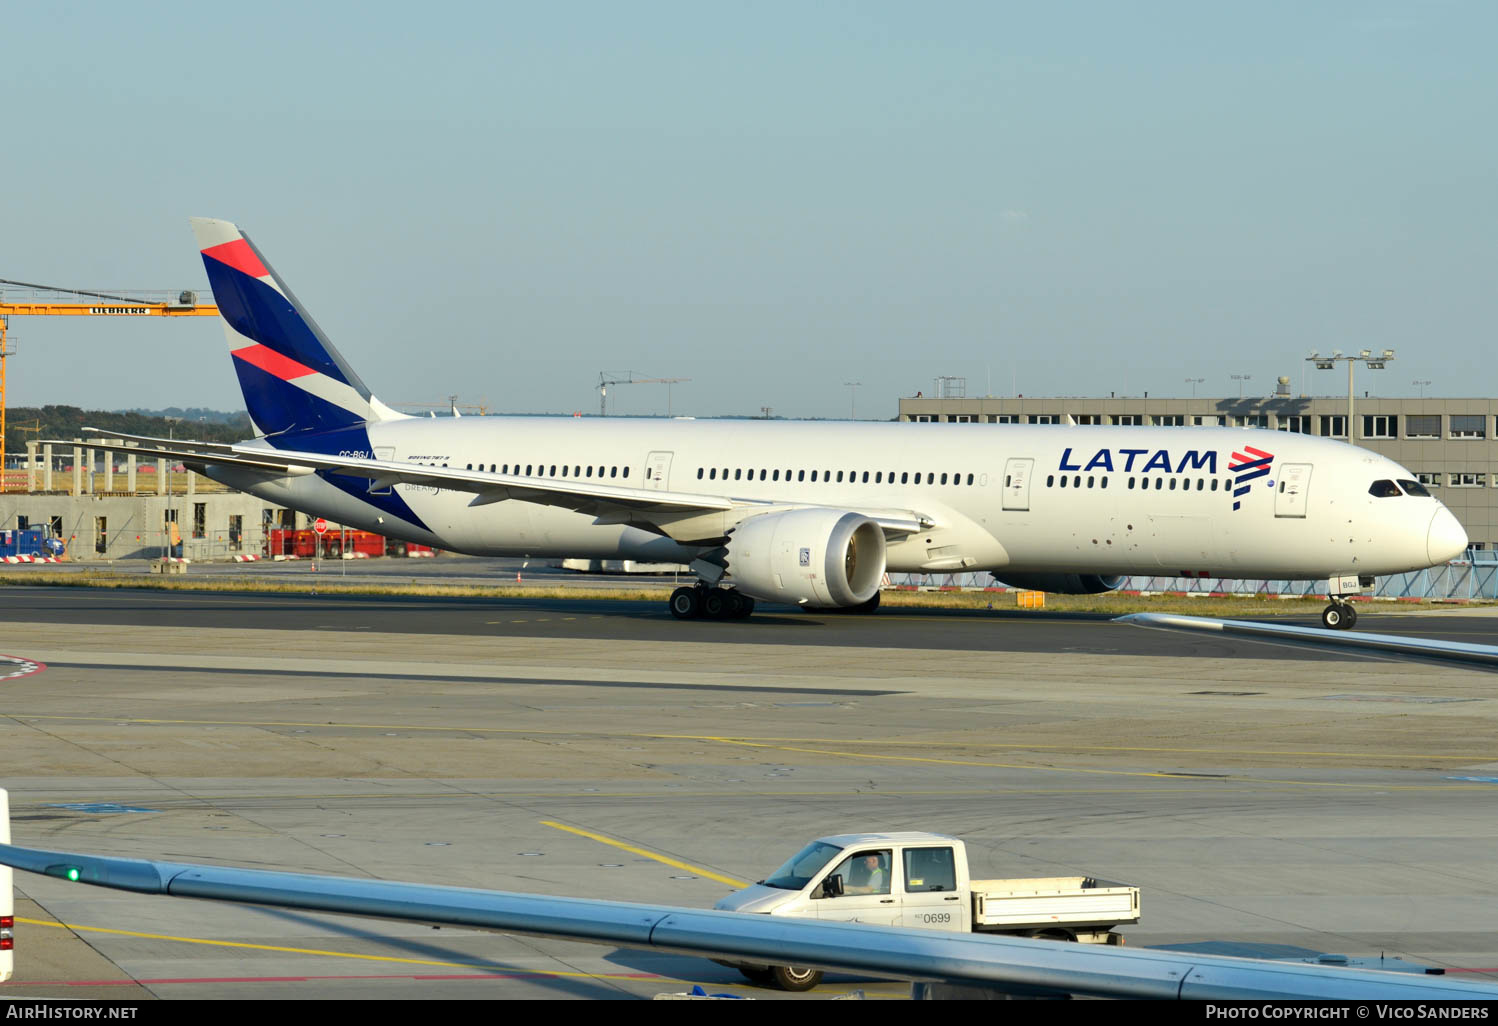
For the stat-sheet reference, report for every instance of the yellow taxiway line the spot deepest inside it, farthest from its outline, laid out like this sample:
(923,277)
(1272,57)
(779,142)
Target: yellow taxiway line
(768,741)
(644,853)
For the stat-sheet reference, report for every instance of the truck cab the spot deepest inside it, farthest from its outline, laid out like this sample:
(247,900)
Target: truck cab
(921,880)
(895,879)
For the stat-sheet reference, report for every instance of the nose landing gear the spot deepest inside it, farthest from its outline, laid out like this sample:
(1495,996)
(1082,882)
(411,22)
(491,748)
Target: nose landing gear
(1339,616)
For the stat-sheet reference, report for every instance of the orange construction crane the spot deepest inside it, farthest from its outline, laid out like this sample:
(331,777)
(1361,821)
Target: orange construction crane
(183,304)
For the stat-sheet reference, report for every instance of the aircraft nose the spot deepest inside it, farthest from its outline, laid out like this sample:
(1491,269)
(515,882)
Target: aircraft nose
(1446,539)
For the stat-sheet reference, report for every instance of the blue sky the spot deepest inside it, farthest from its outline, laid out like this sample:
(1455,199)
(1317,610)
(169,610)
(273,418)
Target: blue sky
(503,200)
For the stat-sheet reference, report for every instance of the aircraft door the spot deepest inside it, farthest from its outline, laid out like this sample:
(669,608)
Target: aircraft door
(1017,483)
(658,471)
(1293,490)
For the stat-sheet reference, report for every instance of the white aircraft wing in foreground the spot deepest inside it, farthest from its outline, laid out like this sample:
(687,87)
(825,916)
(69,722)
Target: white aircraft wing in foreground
(1009,964)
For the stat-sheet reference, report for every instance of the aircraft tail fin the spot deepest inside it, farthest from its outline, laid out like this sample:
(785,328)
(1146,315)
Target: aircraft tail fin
(292,378)
(7,898)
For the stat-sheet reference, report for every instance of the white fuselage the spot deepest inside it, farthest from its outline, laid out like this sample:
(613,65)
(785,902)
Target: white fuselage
(1135,500)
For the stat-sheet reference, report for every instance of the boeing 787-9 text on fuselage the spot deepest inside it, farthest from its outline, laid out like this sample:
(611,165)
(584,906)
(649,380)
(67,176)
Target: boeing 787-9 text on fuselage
(809,514)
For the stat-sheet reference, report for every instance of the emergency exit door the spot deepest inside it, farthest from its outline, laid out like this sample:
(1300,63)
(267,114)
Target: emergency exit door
(1017,483)
(1292,491)
(658,471)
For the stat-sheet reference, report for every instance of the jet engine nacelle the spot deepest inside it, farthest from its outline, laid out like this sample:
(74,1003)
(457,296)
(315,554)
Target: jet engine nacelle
(825,558)
(1064,584)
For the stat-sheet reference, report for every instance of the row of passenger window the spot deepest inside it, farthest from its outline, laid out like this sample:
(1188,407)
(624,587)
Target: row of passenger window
(1143,483)
(827,476)
(738,474)
(545,470)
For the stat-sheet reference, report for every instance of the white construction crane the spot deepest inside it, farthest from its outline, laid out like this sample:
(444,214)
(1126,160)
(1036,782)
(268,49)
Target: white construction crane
(604,381)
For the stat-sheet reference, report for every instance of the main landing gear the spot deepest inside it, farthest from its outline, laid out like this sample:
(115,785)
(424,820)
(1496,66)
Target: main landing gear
(701,602)
(1339,615)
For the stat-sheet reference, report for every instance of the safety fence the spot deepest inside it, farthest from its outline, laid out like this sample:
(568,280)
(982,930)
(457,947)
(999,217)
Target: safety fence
(1473,578)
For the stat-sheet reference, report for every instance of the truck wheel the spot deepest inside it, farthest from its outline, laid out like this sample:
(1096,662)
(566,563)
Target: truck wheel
(764,977)
(795,978)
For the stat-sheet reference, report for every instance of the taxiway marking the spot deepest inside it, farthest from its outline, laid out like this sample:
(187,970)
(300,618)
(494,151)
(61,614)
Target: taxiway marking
(1481,757)
(329,954)
(673,863)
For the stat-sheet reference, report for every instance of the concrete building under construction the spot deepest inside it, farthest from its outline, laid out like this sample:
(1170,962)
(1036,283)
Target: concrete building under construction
(103,503)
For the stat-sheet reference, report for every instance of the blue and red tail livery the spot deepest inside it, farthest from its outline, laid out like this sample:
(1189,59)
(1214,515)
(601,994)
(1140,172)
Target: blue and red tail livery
(293,380)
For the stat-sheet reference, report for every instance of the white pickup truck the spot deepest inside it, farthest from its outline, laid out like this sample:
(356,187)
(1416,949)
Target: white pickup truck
(921,880)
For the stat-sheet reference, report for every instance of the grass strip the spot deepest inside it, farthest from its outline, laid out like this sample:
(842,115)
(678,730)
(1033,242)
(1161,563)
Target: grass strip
(1108,604)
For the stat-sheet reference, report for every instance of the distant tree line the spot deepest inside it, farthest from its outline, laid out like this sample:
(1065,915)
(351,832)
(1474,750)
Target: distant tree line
(65,422)
(196,413)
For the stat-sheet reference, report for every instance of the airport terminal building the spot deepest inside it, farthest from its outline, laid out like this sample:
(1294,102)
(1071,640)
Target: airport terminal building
(1450,444)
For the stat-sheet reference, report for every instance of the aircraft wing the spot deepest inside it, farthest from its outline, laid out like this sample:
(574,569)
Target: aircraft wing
(610,501)
(1013,965)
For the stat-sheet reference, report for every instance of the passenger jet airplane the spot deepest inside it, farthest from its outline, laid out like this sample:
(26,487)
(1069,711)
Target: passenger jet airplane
(802,513)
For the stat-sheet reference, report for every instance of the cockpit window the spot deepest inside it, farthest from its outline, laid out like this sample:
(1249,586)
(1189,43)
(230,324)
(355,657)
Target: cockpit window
(1384,489)
(1414,488)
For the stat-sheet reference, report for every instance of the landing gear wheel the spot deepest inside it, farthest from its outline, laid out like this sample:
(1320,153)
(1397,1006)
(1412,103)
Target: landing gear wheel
(794,978)
(764,977)
(1338,617)
(686,603)
(715,604)
(739,605)
(1349,616)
